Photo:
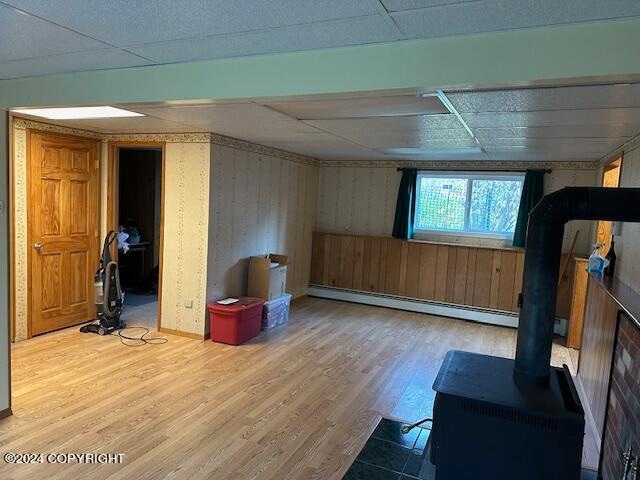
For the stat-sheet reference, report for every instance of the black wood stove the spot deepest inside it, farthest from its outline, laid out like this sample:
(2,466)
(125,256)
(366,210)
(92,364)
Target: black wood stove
(500,419)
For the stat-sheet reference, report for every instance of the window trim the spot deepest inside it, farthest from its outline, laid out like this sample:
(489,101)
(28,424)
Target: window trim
(424,234)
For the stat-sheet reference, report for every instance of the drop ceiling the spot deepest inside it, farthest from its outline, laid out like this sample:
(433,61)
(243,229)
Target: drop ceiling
(577,123)
(39,37)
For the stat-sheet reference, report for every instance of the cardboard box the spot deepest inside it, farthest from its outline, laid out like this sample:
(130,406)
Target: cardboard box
(266,282)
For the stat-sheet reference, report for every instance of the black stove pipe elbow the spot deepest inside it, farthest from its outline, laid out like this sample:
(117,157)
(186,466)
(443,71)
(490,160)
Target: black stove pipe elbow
(542,264)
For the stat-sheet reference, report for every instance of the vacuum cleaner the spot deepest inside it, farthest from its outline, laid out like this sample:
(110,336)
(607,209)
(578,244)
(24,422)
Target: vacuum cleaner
(108,293)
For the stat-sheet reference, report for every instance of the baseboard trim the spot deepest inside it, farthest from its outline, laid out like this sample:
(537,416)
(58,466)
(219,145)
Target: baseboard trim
(193,336)
(480,315)
(6,413)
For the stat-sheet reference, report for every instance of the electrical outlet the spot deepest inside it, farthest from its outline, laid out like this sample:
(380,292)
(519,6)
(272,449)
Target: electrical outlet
(1,207)
(188,304)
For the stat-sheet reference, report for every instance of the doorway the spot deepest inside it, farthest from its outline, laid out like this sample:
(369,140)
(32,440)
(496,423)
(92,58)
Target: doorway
(136,178)
(610,179)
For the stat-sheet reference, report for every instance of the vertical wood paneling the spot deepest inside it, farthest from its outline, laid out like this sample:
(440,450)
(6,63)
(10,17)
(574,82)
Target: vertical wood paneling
(495,279)
(325,260)
(317,258)
(442,264)
(347,258)
(428,269)
(412,279)
(598,343)
(366,263)
(517,280)
(471,276)
(382,273)
(392,276)
(374,265)
(482,284)
(358,263)
(507,275)
(460,275)
(402,287)
(451,268)
(334,260)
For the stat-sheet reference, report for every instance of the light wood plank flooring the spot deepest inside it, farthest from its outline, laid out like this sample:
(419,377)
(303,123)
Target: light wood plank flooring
(296,403)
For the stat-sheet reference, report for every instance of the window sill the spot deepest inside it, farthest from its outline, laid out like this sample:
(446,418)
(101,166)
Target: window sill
(466,241)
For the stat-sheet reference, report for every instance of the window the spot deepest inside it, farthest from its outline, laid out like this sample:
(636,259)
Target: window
(468,203)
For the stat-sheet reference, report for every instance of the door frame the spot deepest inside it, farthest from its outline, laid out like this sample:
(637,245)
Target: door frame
(112,189)
(96,143)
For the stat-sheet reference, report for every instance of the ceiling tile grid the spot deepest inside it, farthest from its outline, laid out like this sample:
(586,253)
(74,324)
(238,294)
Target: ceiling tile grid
(327,34)
(162,31)
(126,22)
(497,15)
(501,125)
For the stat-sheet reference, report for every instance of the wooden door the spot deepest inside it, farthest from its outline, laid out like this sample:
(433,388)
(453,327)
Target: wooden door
(63,230)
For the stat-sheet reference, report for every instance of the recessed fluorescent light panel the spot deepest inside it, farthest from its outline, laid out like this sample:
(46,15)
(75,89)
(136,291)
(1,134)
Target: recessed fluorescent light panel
(78,113)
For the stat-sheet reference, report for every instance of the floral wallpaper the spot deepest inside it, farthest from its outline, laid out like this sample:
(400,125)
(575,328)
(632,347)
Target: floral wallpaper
(259,204)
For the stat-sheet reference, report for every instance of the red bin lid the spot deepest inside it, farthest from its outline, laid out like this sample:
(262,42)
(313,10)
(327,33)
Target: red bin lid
(242,303)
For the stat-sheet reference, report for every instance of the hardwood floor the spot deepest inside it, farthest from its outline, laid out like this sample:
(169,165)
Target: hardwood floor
(296,403)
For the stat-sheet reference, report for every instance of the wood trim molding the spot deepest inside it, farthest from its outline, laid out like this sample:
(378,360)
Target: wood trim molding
(193,336)
(488,165)
(112,200)
(6,413)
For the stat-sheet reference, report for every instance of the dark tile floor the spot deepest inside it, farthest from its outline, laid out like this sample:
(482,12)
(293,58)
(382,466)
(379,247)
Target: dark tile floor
(390,455)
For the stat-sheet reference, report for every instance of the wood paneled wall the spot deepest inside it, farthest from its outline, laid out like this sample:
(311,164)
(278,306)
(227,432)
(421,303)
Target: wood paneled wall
(480,277)
(472,276)
(598,342)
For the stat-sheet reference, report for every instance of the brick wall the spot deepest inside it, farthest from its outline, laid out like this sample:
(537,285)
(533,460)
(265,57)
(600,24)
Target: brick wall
(623,422)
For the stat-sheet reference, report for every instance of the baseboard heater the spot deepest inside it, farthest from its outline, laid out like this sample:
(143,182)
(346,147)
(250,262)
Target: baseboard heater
(474,314)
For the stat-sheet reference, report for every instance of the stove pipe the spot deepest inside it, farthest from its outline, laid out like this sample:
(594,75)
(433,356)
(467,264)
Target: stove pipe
(542,264)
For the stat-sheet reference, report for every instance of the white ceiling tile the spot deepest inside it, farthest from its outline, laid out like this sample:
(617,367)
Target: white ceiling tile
(564,144)
(563,131)
(215,114)
(361,107)
(424,123)
(558,98)
(336,150)
(397,5)
(605,116)
(537,155)
(409,138)
(25,36)
(496,15)
(328,34)
(453,154)
(125,22)
(71,62)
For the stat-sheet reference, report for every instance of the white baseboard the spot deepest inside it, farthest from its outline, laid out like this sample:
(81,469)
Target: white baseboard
(481,315)
(577,380)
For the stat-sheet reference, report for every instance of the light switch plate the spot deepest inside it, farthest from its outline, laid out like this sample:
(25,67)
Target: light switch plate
(188,303)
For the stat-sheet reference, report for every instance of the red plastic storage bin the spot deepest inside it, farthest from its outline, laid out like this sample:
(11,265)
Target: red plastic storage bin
(236,323)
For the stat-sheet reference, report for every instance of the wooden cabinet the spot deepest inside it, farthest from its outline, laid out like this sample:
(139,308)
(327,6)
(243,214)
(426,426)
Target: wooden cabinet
(460,275)
(578,301)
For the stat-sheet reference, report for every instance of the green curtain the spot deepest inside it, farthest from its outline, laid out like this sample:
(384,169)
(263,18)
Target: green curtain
(406,204)
(532,193)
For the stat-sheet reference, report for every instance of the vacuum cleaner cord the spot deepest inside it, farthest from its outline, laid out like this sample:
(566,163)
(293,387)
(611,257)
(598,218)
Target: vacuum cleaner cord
(141,340)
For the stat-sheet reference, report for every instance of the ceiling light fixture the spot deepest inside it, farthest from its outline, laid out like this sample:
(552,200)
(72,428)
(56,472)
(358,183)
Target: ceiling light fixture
(77,113)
